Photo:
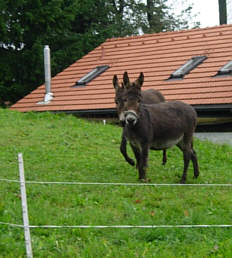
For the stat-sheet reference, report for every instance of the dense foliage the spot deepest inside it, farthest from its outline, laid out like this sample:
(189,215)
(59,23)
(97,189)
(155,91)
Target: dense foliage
(71,28)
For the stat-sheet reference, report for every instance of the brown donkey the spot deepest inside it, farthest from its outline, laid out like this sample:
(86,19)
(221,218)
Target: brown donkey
(157,126)
(149,96)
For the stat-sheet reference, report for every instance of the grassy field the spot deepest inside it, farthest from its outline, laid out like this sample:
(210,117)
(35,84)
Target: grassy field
(65,148)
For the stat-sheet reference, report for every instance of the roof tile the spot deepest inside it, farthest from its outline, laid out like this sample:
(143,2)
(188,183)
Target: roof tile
(157,55)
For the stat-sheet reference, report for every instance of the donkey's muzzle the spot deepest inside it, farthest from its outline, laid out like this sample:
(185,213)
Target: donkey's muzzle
(131,117)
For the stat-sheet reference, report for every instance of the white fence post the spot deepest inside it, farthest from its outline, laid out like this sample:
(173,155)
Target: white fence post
(24,207)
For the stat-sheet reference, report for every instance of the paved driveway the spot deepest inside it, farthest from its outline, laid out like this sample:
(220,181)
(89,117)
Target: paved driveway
(216,137)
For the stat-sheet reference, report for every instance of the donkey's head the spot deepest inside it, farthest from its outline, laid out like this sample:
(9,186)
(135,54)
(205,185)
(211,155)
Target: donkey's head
(128,98)
(119,91)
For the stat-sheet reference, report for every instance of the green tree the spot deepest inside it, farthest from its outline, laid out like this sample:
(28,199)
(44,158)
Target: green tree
(26,26)
(160,16)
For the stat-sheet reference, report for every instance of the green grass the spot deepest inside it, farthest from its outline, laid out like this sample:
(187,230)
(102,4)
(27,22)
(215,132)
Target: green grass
(65,148)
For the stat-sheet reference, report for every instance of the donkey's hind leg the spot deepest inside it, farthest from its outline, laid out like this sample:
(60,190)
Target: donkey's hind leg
(195,163)
(187,156)
(164,157)
(186,149)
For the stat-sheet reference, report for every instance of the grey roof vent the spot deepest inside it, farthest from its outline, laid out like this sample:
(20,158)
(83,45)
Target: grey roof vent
(225,70)
(91,75)
(187,67)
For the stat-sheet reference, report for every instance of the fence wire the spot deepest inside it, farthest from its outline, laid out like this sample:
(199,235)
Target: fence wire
(112,184)
(115,226)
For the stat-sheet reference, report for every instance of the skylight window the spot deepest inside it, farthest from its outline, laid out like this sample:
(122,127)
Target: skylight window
(91,75)
(226,69)
(187,67)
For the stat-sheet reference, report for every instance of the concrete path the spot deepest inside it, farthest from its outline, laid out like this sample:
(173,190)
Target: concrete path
(219,138)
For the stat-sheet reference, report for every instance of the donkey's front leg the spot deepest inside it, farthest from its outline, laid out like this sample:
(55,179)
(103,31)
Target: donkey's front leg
(143,162)
(137,154)
(124,152)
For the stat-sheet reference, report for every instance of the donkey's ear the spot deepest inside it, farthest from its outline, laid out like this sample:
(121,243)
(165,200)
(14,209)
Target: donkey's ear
(126,79)
(140,80)
(115,82)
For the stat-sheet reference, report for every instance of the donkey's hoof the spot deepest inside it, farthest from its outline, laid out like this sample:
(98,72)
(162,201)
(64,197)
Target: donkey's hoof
(182,181)
(196,175)
(144,180)
(131,162)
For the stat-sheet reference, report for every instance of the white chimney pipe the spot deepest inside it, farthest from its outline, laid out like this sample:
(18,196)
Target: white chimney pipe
(47,68)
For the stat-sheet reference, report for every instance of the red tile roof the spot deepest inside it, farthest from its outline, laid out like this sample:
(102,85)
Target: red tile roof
(157,56)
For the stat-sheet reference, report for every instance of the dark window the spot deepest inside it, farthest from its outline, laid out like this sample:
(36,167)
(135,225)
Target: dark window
(226,69)
(91,75)
(187,67)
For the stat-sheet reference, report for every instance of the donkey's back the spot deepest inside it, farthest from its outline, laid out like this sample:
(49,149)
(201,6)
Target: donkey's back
(152,96)
(172,115)
(170,123)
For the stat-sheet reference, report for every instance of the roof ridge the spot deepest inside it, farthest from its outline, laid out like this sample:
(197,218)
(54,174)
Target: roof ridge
(166,32)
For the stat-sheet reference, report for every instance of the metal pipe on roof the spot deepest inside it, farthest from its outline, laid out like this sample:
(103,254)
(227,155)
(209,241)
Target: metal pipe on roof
(47,70)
